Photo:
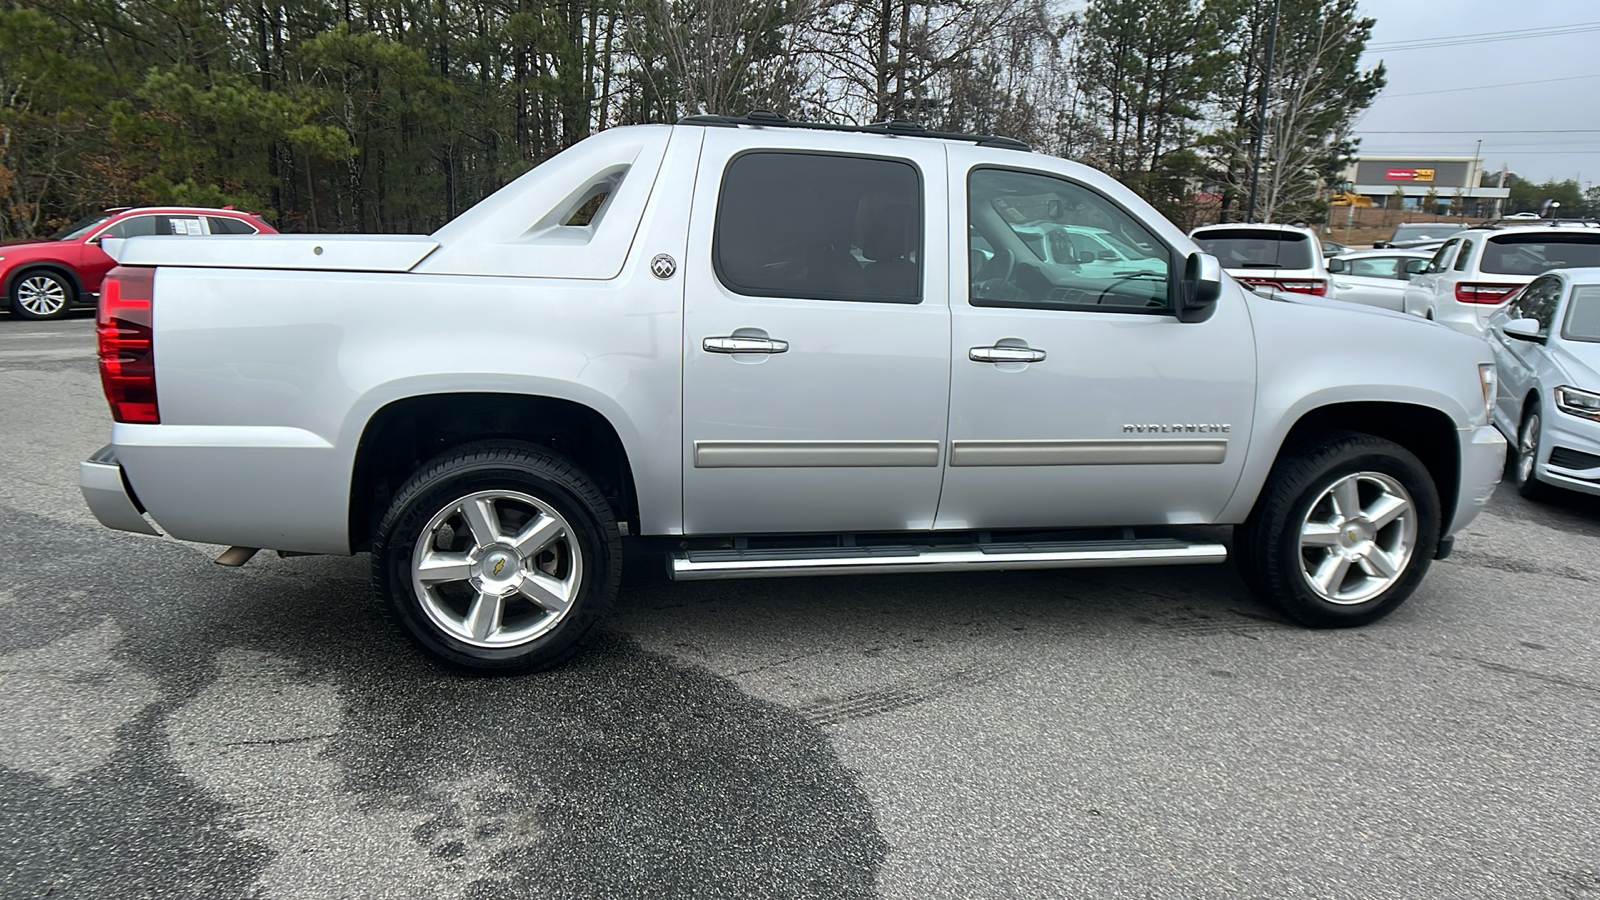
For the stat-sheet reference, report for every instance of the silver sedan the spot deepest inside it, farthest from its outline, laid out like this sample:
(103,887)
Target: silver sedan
(1546,344)
(1376,277)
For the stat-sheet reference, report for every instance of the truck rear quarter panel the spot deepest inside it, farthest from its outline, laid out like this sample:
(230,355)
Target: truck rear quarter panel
(267,379)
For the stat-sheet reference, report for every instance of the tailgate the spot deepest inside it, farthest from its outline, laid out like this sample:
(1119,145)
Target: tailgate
(308,252)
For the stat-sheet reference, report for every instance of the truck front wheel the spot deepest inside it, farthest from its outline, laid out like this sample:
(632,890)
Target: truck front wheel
(498,557)
(1343,531)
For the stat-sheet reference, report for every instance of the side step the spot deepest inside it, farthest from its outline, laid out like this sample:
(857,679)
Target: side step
(711,565)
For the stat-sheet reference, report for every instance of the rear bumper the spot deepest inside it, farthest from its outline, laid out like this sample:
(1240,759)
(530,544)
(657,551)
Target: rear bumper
(109,495)
(1483,461)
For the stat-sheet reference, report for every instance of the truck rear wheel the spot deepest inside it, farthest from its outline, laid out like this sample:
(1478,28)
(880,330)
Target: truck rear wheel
(498,557)
(1343,531)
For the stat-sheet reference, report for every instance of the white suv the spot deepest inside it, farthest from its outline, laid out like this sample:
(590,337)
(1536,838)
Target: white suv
(1475,272)
(1274,257)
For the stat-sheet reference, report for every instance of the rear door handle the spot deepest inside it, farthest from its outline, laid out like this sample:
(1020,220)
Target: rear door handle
(732,344)
(1005,354)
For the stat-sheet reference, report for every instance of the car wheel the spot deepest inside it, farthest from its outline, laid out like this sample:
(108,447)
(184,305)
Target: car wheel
(1343,531)
(41,294)
(1525,468)
(498,557)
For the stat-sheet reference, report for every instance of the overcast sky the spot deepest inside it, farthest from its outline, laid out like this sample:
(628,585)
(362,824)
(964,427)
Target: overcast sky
(1419,96)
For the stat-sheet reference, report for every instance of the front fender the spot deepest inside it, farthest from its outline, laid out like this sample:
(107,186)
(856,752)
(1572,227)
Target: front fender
(1312,356)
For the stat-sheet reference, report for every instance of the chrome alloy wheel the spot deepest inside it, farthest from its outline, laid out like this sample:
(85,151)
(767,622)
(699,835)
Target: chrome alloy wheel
(497,568)
(1528,449)
(1357,538)
(42,295)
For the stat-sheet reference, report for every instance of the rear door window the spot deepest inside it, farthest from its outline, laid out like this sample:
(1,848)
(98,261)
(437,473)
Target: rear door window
(1461,258)
(1376,267)
(820,227)
(1536,253)
(1253,248)
(185,225)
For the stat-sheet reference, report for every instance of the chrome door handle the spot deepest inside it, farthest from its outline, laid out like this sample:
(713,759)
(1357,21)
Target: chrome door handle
(744,345)
(1005,354)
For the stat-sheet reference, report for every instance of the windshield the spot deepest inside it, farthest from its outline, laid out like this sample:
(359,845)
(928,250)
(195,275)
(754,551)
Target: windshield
(1247,248)
(1583,314)
(79,228)
(1537,253)
(1423,232)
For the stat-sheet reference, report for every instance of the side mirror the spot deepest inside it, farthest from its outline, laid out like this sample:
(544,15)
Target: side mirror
(1108,256)
(1416,266)
(1380,245)
(1200,288)
(1337,266)
(1524,329)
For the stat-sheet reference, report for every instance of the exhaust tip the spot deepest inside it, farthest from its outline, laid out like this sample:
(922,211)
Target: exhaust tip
(234,557)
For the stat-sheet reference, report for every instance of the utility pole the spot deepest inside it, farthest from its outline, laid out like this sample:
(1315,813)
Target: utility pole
(1261,114)
(1476,174)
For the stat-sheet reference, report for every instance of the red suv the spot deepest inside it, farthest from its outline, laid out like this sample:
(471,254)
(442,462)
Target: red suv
(42,279)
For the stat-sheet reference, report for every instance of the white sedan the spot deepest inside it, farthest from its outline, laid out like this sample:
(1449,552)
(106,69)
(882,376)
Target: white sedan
(1376,277)
(1546,344)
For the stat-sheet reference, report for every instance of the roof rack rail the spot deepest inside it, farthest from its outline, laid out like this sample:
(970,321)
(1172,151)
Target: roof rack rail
(1541,223)
(767,119)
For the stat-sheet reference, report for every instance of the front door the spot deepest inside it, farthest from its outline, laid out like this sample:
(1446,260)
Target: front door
(1077,397)
(817,337)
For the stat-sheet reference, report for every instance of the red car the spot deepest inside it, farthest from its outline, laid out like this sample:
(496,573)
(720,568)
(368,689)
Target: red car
(42,279)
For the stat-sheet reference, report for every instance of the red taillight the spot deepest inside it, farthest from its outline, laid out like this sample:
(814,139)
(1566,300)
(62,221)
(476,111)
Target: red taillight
(1484,293)
(127,351)
(1317,288)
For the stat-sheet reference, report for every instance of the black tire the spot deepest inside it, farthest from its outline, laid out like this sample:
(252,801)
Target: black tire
(507,467)
(40,283)
(1527,482)
(1267,547)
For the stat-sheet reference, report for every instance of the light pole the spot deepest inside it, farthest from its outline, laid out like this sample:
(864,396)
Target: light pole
(1261,116)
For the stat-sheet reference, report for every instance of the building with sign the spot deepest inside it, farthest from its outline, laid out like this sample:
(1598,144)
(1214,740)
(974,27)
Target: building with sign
(1448,183)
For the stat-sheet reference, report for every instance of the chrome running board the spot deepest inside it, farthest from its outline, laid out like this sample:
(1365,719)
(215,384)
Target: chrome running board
(712,565)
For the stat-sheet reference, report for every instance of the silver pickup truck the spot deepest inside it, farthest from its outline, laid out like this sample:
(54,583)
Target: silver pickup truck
(775,349)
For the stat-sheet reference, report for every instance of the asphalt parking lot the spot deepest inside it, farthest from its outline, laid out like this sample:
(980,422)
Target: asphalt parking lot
(172,728)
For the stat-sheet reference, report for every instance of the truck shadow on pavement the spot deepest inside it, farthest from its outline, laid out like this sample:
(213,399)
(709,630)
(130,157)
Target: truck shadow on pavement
(192,731)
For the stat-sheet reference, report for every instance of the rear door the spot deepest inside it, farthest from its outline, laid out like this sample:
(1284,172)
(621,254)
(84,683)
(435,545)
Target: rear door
(816,358)
(1373,281)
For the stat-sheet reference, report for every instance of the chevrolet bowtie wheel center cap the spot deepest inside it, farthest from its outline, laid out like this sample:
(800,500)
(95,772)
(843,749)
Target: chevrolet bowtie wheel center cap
(499,569)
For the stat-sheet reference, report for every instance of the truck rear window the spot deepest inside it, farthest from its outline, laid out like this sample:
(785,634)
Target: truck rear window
(1250,248)
(1538,253)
